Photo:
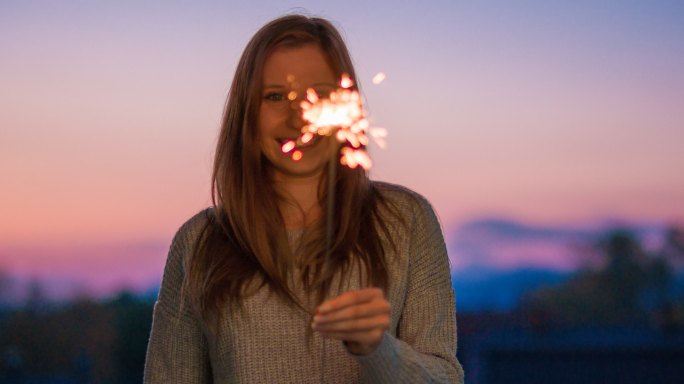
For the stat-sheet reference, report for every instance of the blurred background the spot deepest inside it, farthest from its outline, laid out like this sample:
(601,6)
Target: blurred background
(547,135)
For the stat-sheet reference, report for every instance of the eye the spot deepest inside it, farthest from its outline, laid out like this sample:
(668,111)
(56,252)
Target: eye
(274,96)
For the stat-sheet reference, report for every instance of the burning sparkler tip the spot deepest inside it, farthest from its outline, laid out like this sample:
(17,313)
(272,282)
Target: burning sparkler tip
(340,114)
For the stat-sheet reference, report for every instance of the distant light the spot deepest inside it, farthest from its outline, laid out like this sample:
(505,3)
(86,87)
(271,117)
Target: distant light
(377,79)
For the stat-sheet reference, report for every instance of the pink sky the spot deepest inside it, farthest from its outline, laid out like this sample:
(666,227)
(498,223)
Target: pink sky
(545,113)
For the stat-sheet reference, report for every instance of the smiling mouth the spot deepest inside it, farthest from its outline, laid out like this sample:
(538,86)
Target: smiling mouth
(298,143)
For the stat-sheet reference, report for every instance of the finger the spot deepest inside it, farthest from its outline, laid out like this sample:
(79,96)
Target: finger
(370,309)
(366,337)
(355,325)
(349,298)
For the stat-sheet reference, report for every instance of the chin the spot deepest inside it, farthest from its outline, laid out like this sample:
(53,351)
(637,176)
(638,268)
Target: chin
(313,162)
(306,167)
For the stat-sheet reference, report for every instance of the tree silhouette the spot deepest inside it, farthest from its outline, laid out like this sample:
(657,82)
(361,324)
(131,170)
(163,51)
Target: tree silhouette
(87,341)
(626,284)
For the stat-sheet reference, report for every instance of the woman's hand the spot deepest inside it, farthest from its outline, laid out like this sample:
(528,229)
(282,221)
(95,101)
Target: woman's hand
(358,318)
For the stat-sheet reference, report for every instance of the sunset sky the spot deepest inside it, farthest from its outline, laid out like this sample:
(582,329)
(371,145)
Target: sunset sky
(552,113)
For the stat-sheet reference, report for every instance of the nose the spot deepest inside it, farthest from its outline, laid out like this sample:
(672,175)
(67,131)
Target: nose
(295,119)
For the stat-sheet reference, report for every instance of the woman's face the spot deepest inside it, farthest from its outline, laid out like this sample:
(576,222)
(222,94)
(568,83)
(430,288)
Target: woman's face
(286,70)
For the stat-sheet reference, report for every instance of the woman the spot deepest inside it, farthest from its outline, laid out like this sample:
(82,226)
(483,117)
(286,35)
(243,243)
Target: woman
(257,289)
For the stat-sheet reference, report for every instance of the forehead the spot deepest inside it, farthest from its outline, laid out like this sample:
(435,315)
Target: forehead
(307,63)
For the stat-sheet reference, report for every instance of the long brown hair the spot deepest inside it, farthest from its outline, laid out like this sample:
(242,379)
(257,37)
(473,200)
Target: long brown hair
(244,245)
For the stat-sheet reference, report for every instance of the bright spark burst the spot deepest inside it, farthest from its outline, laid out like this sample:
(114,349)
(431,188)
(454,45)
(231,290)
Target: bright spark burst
(341,114)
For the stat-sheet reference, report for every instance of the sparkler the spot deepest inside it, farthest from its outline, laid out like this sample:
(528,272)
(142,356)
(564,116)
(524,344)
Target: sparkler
(341,114)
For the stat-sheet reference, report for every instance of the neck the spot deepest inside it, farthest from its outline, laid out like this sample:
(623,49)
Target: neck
(302,206)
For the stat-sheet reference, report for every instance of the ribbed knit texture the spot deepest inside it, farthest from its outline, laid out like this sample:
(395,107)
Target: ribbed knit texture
(268,343)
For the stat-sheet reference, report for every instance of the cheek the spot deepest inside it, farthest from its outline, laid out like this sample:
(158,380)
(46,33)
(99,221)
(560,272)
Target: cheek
(269,121)
(266,133)
(262,123)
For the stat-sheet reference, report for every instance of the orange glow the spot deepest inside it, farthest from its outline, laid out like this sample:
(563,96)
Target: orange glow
(354,157)
(311,95)
(306,137)
(297,155)
(341,136)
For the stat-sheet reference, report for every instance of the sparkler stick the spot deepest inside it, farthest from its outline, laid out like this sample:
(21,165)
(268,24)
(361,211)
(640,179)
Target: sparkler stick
(329,227)
(342,115)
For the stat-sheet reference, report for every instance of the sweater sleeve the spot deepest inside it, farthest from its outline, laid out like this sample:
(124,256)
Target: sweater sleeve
(424,350)
(177,350)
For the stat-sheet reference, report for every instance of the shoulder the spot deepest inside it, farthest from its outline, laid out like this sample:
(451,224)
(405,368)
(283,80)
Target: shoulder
(402,198)
(193,227)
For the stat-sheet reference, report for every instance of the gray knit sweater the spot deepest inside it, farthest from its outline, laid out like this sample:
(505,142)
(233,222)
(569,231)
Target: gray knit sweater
(267,341)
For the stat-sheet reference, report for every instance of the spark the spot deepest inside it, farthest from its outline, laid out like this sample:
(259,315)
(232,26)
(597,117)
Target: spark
(306,137)
(346,82)
(379,135)
(353,158)
(311,95)
(288,146)
(378,78)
